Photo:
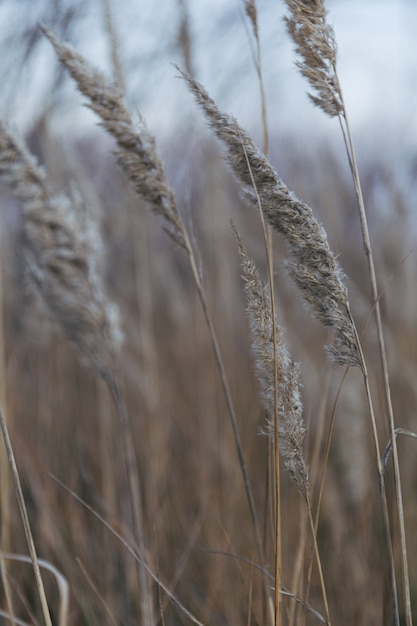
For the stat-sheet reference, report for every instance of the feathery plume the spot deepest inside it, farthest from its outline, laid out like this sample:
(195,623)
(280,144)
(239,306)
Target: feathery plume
(312,265)
(251,12)
(136,153)
(290,407)
(184,36)
(61,257)
(315,43)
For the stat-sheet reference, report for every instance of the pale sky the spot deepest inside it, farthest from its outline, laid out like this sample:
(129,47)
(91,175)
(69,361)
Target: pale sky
(377,64)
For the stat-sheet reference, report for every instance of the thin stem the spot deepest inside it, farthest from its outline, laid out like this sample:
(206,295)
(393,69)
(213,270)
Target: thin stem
(133,552)
(268,252)
(251,12)
(61,582)
(322,479)
(383,357)
(318,560)
(4,474)
(277,472)
(226,391)
(25,520)
(114,44)
(134,496)
(381,482)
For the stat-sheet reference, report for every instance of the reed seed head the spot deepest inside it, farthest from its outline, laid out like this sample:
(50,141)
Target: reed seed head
(291,427)
(312,265)
(251,12)
(315,44)
(136,152)
(60,249)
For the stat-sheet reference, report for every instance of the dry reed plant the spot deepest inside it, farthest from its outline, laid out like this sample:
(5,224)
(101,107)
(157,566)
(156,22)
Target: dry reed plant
(290,407)
(136,153)
(61,249)
(313,266)
(315,44)
(137,157)
(279,379)
(219,553)
(252,14)
(61,257)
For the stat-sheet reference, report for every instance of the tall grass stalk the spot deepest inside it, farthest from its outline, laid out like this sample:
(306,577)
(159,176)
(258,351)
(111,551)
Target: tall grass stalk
(252,13)
(113,383)
(279,395)
(25,520)
(137,157)
(312,265)
(316,45)
(276,415)
(62,253)
(132,551)
(5,483)
(114,43)
(383,358)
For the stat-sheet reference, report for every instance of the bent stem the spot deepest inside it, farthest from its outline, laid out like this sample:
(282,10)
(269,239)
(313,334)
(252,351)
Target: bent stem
(25,520)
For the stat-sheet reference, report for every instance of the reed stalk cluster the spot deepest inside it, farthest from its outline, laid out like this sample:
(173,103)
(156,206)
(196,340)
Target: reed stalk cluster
(169,447)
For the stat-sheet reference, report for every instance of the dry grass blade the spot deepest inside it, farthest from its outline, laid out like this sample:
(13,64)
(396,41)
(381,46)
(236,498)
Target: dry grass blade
(252,13)
(313,266)
(133,553)
(25,520)
(388,448)
(61,581)
(90,582)
(13,620)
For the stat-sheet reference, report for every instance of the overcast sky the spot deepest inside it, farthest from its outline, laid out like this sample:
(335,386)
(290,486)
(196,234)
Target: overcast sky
(377,63)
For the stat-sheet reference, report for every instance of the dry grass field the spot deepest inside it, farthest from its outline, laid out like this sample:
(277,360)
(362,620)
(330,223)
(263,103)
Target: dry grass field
(148,479)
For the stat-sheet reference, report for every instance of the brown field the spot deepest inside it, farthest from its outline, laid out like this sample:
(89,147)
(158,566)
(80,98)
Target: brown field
(196,533)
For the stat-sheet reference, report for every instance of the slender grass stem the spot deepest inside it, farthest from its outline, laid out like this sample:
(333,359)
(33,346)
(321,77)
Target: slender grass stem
(135,492)
(382,489)
(25,520)
(226,391)
(318,561)
(277,469)
(134,553)
(344,123)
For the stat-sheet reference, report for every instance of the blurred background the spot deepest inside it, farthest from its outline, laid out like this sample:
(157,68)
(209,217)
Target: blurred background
(377,50)
(62,421)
